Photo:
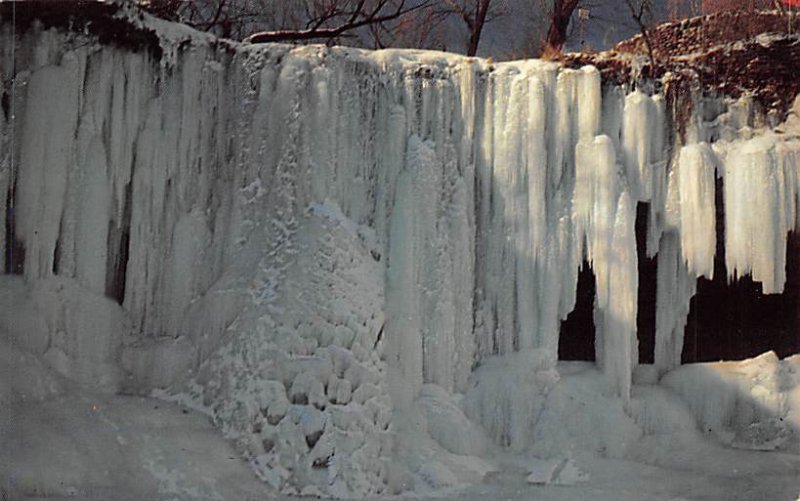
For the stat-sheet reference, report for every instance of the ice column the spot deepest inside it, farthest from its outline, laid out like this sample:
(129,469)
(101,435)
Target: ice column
(758,210)
(674,290)
(45,158)
(695,171)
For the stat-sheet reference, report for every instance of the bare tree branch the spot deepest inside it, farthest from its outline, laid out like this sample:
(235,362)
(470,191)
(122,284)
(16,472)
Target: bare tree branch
(358,17)
(475,14)
(639,9)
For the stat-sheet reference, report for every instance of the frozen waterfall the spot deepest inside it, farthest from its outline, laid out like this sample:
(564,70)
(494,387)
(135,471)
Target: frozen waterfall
(298,239)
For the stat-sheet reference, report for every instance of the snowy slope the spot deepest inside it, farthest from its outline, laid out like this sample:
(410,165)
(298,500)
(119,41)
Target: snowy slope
(301,241)
(59,440)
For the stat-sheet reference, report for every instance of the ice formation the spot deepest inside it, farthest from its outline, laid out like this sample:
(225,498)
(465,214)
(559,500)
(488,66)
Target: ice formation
(302,240)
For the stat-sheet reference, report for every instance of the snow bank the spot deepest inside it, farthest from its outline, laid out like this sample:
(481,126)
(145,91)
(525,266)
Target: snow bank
(751,404)
(85,445)
(78,333)
(507,396)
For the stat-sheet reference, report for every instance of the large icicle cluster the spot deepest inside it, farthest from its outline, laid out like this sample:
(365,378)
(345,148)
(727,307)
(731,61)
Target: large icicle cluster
(302,237)
(760,179)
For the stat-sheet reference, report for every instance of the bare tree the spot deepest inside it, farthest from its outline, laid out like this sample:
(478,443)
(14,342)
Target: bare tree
(475,14)
(165,9)
(422,29)
(560,15)
(642,13)
(288,20)
(229,18)
(330,19)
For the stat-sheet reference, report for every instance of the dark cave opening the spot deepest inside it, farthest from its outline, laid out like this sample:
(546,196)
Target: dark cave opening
(735,321)
(118,242)
(576,339)
(726,321)
(646,298)
(14,249)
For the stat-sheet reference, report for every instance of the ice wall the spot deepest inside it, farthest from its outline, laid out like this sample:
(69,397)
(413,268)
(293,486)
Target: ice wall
(301,237)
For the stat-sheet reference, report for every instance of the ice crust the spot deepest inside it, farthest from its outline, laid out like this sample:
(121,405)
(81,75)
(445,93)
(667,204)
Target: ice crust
(300,240)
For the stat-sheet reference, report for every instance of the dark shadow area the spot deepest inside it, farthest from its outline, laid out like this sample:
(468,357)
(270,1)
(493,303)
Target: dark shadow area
(737,321)
(576,339)
(15,250)
(646,299)
(96,18)
(119,236)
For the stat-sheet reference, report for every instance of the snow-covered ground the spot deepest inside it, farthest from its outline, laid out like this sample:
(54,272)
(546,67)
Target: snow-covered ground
(615,480)
(88,445)
(353,267)
(59,440)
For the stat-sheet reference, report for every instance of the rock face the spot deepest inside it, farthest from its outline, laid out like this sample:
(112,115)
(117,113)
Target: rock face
(298,240)
(700,34)
(732,54)
(728,54)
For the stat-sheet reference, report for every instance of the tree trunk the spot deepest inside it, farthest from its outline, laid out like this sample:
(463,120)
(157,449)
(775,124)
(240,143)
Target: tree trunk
(559,23)
(481,10)
(557,34)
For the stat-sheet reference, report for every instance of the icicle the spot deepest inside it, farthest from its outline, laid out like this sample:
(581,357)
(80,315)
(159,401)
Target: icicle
(403,323)
(755,222)
(697,212)
(607,215)
(535,248)
(589,103)
(659,177)
(596,198)
(93,217)
(620,352)
(675,288)
(564,129)
(45,160)
(638,131)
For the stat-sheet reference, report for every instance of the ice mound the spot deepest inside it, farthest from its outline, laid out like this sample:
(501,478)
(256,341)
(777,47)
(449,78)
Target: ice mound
(749,405)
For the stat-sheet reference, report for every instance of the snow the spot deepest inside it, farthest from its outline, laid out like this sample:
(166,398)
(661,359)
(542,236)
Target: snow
(61,441)
(77,333)
(505,396)
(749,404)
(564,472)
(355,264)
